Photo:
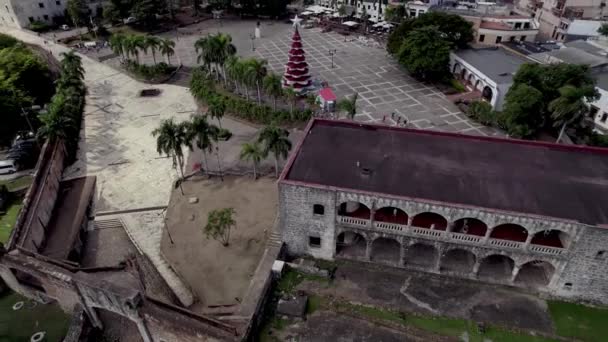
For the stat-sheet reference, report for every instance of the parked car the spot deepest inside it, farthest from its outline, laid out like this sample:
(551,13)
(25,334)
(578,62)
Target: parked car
(7,167)
(65,27)
(130,20)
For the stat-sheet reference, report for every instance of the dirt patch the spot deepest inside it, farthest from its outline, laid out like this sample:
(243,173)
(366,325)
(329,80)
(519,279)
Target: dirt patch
(219,275)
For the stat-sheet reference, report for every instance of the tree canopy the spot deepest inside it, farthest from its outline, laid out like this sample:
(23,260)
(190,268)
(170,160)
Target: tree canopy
(425,54)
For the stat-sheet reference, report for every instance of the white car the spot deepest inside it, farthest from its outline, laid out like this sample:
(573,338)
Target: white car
(7,167)
(65,27)
(130,20)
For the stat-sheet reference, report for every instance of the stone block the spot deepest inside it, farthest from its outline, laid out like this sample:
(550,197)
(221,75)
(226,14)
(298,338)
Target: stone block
(293,307)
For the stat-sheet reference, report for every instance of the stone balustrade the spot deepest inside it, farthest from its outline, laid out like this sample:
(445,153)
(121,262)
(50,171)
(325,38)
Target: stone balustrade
(445,236)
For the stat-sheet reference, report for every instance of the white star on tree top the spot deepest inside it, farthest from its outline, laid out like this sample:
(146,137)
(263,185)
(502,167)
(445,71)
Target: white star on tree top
(296,21)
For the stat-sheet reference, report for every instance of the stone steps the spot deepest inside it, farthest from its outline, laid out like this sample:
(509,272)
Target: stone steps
(108,224)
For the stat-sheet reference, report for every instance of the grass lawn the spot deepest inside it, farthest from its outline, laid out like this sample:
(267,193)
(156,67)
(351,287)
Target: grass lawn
(579,321)
(7,221)
(21,324)
(17,183)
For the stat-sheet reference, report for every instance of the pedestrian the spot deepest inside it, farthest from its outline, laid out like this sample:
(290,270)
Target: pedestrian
(384,118)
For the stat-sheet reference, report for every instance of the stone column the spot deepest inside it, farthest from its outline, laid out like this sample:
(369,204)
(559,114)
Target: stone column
(372,212)
(528,241)
(476,267)
(409,221)
(403,252)
(368,249)
(143,330)
(514,273)
(437,266)
(450,227)
(487,235)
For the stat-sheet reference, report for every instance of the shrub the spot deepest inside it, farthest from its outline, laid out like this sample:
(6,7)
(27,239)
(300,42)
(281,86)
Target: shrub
(481,112)
(39,26)
(224,134)
(149,72)
(7,41)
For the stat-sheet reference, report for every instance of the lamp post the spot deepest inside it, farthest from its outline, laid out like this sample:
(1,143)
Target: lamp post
(332,52)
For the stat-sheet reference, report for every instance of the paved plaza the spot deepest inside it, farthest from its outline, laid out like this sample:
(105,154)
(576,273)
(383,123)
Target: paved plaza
(383,86)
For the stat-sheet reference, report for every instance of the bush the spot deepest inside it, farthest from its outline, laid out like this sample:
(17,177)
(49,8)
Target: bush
(39,26)
(149,72)
(457,86)
(7,41)
(598,140)
(481,112)
(224,134)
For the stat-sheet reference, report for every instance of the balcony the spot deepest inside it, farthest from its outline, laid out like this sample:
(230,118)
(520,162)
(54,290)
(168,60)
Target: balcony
(353,221)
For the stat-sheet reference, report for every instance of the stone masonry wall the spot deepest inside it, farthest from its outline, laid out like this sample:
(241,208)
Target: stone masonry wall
(298,222)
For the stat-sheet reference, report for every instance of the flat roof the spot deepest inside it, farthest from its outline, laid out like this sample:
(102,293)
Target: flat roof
(503,66)
(560,181)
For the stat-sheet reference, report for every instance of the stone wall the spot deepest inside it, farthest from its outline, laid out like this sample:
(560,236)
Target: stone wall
(30,228)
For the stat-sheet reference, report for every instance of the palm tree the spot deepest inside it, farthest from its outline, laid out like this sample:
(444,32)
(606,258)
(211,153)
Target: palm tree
(133,44)
(153,43)
(252,151)
(71,67)
(256,70)
(273,87)
(292,96)
(217,109)
(349,106)
(166,48)
(570,106)
(170,140)
(222,50)
(275,140)
(54,126)
(203,134)
(240,70)
(203,48)
(232,65)
(117,43)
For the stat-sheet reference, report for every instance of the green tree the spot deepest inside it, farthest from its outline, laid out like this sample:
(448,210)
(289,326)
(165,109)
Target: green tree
(571,106)
(146,10)
(111,13)
(349,105)
(117,44)
(7,41)
(79,12)
(482,112)
(152,43)
(252,152)
(166,48)
(71,66)
(133,44)
(203,48)
(54,126)
(425,54)
(273,87)
(292,97)
(204,135)
(22,70)
(217,109)
(603,30)
(522,113)
(275,140)
(256,71)
(342,10)
(171,138)
(219,224)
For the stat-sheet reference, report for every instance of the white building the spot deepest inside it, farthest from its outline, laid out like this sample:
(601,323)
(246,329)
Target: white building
(373,10)
(21,13)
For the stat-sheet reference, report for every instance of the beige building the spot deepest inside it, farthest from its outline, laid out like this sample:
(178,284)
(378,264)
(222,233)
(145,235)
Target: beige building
(21,13)
(555,16)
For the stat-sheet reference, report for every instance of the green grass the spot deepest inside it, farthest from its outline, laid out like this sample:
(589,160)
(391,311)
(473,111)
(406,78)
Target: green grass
(292,278)
(276,324)
(457,86)
(20,325)
(17,183)
(314,303)
(7,221)
(579,321)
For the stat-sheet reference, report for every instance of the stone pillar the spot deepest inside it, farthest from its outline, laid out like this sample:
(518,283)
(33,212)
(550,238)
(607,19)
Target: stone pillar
(487,236)
(437,266)
(372,213)
(368,250)
(409,221)
(476,267)
(514,273)
(450,227)
(528,241)
(403,252)
(143,330)
(432,226)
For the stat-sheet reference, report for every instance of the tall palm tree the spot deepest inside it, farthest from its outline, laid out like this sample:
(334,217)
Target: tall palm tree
(71,65)
(203,134)
(570,106)
(256,70)
(241,75)
(133,44)
(273,87)
(232,71)
(117,44)
(171,138)
(203,48)
(153,43)
(275,140)
(349,105)
(166,48)
(254,153)
(292,96)
(222,49)
(217,109)
(54,126)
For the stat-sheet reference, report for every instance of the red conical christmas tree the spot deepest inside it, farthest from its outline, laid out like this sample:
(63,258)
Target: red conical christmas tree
(296,74)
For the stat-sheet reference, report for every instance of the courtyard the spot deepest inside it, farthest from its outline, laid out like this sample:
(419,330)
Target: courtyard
(219,275)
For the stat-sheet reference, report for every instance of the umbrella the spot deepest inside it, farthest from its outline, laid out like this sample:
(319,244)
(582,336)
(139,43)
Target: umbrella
(350,23)
(306,13)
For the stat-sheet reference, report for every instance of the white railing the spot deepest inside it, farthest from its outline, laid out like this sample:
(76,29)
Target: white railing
(546,249)
(353,221)
(505,243)
(427,232)
(466,238)
(390,226)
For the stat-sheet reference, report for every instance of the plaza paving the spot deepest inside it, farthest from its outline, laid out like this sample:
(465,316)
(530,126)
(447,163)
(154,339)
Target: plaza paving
(383,86)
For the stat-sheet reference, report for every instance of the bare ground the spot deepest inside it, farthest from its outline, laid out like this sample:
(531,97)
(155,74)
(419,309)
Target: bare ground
(219,275)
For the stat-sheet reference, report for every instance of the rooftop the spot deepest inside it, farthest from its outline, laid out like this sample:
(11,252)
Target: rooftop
(502,68)
(574,55)
(560,181)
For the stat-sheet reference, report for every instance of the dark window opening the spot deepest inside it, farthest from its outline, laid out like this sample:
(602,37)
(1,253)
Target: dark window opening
(498,39)
(31,19)
(568,286)
(41,5)
(46,17)
(482,37)
(600,255)
(314,241)
(318,209)
(604,117)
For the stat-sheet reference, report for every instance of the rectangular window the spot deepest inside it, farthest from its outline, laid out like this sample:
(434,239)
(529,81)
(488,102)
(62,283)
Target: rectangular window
(604,117)
(46,17)
(498,39)
(593,111)
(58,3)
(41,5)
(318,209)
(517,26)
(522,38)
(526,25)
(314,241)
(31,19)
(482,37)
(512,38)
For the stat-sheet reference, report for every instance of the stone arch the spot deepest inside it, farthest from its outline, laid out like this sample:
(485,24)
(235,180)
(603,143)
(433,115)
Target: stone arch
(421,255)
(429,219)
(487,93)
(354,209)
(463,74)
(351,245)
(391,215)
(536,273)
(551,238)
(478,84)
(458,260)
(496,267)
(470,225)
(457,68)
(509,231)
(470,78)
(386,250)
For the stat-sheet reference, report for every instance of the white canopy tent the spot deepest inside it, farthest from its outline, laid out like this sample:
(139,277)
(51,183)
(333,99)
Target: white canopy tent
(316,9)
(350,23)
